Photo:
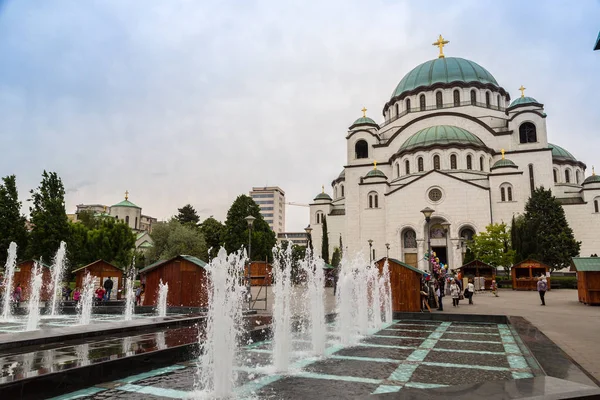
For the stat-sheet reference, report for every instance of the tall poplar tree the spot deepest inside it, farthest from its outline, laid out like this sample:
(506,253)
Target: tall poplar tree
(325,241)
(12,222)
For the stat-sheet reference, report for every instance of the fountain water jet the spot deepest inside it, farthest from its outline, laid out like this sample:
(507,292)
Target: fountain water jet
(129,296)
(161,307)
(375,299)
(86,301)
(315,282)
(386,292)
(9,274)
(345,302)
(361,297)
(58,269)
(226,294)
(282,319)
(35,288)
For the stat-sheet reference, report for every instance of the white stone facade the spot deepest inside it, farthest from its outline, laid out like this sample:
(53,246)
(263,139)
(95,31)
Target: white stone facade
(472,195)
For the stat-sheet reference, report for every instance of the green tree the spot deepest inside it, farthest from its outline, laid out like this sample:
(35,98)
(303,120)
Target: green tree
(543,232)
(236,229)
(48,217)
(493,246)
(187,215)
(325,241)
(341,248)
(88,219)
(172,239)
(12,222)
(214,232)
(336,257)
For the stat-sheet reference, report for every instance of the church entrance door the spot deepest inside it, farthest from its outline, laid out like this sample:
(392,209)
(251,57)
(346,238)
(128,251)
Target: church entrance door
(441,253)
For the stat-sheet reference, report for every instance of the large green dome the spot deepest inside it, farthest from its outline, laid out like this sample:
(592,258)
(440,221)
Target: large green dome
(441,135)
(560,153)
(444,70)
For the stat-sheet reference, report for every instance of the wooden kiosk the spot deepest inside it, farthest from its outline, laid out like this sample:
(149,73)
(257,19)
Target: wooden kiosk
(405,282)
(23,276)
(186,276)
(526,273)
(588,279)
(260,273)
(479,269)
(101,270)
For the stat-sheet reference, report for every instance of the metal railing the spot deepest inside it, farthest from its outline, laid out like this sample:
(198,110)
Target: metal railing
(441,107)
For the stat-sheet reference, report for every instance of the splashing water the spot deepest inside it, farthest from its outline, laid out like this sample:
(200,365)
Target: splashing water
(161,307)
(86,301)
(9,274)
(226,293)
(375,300)
(315,282)
(386,292)
(282,320)
(361,294)
(58,269)
(35,288)
(345,302)
(129,296)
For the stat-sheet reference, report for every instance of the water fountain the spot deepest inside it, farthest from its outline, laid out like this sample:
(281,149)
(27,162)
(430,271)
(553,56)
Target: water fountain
(315,285)
(129,296)
(375,300)
(345,302)
(86,301)
(282,291)
(161,307)
(226,294)
(386,292)
(35,291)
(58,269)
(9,274)
(361,294)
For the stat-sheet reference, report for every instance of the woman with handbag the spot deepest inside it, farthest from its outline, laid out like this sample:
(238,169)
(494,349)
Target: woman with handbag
(454,292)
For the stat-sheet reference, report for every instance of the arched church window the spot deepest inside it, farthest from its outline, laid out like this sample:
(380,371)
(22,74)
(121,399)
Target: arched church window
(527,133)
(595,205)
(319,217)
(397,109)
(531,179)
(467,234)
(567,176)
(498,101)
(481,163)
(509,193)
(361,149)
(487,99)
(453,161)
(342,187)
(135,226)
(456,98)
(439,103)
(407,105)
(127,219)
(420,164)
(473,97)
(407,167)
(436,162)
(555,174)
(373,200)
(469,162)
(410,239)
(502,194)
(422,102)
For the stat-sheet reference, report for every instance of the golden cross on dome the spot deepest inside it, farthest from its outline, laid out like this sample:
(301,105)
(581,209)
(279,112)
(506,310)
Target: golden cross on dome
(502,151)
(374,164)
(322,188)
(593,171)
(522,89)
(441,43)
(364,110)
(126,195)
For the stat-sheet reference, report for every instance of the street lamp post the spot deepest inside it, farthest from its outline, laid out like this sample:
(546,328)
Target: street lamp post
(250,220)
(370,251)
(308,231)
(446,228)
(427,212)
(387,250)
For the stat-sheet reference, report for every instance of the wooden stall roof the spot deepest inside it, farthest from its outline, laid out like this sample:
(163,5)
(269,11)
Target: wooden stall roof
(35,261)
(476,263)
(395,261)
(586,264)
(192,259)
(96,262)
(529,260)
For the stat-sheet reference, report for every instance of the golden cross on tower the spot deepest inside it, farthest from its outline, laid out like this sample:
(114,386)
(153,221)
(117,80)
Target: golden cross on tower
(374,164)
(440,43)
(126,195)
(364,110)
(593,171)
(322,188)
(502,151)
(522,89)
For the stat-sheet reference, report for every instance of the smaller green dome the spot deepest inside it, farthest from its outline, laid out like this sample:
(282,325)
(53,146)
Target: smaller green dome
(504,163)
(364,120)
(126,203)
(560,153)
(592,179)
(523,100)
(441,135)
(323,196)
(375,172)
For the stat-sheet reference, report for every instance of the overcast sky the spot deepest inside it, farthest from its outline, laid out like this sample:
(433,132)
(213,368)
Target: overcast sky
(196,101)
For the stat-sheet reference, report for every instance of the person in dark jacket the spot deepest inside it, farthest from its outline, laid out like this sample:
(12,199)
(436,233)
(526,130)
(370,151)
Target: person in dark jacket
(542,286)
(108,286)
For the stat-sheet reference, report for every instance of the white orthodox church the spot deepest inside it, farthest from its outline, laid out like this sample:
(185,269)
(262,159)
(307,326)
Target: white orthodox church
(452,140)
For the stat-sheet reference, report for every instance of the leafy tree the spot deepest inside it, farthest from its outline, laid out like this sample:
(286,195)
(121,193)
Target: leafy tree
(12,222)
(214,233)
(469,256)
(325,241)
(88,219)
(187,215)
(236,229)
(172,239)
(543,232)
(341,249)
(336,257)
(493,246)
(48,216)
(298,253)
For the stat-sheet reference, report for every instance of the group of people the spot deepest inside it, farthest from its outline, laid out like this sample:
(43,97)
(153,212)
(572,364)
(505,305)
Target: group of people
(455,290)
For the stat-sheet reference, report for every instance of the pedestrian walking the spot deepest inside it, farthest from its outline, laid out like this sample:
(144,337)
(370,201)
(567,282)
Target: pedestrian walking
(470,290)
(108,287)
(76,295)
(454,292)
(439,292)
(494,288)
(542,286)
(17,294)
